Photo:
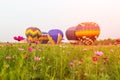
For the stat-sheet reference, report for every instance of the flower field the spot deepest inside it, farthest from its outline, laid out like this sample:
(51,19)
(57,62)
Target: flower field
(59,62)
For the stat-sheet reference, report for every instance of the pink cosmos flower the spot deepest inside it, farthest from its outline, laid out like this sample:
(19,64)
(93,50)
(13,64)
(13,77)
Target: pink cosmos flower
(30,49)
(8,57)
(71,64)
(37,58)
(36,42)
(111,50)
(99,53)
(18,38)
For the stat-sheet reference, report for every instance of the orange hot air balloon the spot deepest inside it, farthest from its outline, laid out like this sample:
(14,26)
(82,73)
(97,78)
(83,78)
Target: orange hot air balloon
(87,32)
(44,38)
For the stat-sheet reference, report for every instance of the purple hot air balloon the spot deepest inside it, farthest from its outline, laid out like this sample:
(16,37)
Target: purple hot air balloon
(70,33)
(54,34)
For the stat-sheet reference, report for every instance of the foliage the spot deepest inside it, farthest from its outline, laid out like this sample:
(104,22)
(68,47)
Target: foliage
(59,62)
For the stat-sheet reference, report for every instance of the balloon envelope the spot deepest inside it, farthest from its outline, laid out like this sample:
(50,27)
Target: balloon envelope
(70,33)
(33,34)
(55,35)
(44,38)
(87,32)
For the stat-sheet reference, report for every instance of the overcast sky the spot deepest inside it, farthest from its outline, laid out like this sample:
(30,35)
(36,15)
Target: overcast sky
(17,15)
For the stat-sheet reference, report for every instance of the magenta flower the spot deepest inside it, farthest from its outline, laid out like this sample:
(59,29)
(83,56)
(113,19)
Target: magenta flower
(37,58)
(99,53)
(8,57)
(18,38)
(71,64)
(105,59)
(30,49)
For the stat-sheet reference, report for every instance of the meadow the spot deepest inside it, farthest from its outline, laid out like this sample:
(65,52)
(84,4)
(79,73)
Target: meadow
(59,62)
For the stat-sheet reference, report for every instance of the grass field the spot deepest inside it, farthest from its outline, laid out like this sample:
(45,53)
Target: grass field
(59,62)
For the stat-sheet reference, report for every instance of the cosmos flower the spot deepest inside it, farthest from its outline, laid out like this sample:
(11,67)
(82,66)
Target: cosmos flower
(8,57)
(30,49)
(71,64)
(99,53)
(36,42)
(105,59)
(80,62)
(18,38)
(111,50)
(37,58)
(95,59)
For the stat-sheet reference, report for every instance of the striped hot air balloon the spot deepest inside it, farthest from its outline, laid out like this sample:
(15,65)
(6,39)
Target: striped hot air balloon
(55,36)
(44,38)
(87,32)
(33,34)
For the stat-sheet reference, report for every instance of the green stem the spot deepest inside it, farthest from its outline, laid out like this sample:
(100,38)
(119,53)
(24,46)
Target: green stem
(96,71)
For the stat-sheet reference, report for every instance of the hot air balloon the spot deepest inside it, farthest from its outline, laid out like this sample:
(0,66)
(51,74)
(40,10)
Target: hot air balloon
(55,36)
(87,32)
(70,35)
(33,34)
(44,38)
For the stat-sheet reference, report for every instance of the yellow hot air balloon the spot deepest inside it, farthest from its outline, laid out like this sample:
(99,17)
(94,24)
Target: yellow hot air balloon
(33,34)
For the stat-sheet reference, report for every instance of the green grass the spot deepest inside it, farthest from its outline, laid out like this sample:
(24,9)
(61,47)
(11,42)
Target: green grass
(55,62)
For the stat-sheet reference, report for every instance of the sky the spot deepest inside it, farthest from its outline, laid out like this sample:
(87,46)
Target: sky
(17,15)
